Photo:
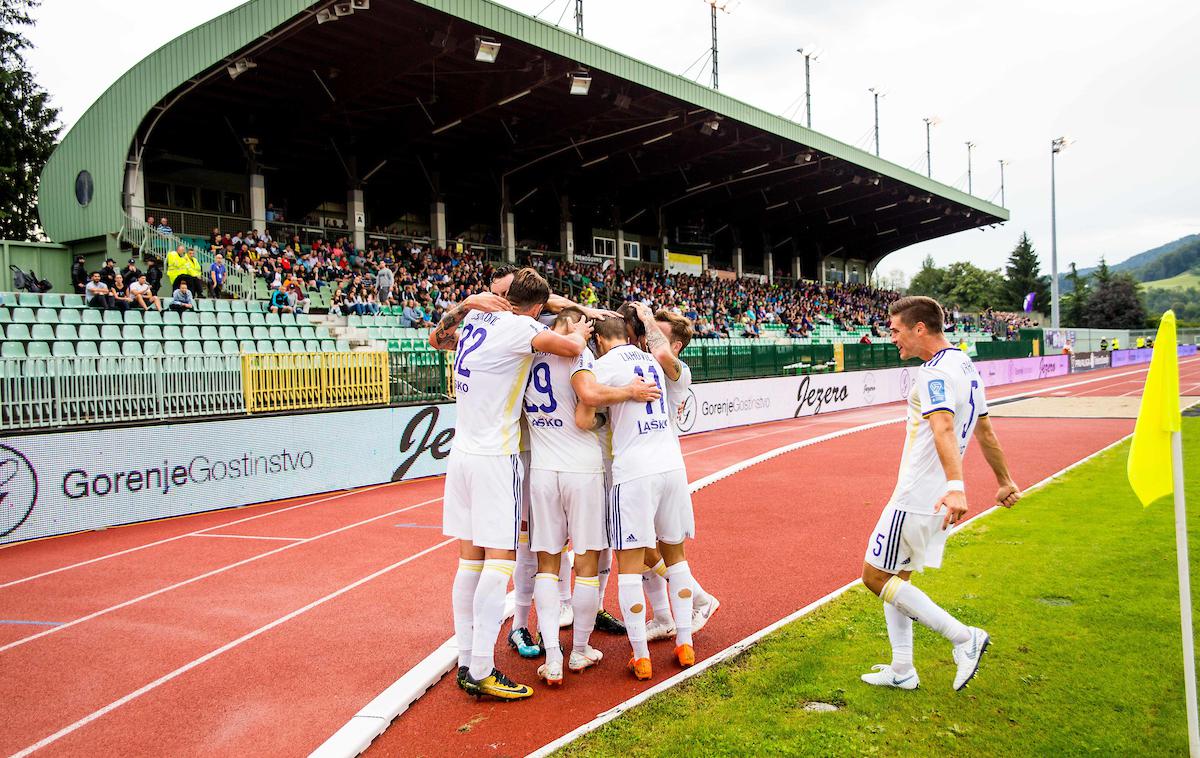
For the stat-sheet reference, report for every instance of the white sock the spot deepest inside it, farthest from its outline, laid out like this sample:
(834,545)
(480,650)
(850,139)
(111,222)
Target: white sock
(585,602)
(915,603)
(545,595)
(605,565)
(899,629)
(523,585)
(656,591)
(463,598)
(699,594)
(564,576)
(633,610)
(679,581)
(488,609)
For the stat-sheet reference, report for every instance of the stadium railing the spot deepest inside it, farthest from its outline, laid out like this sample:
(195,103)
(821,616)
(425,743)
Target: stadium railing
(314,381)
(417,375)
(38,393)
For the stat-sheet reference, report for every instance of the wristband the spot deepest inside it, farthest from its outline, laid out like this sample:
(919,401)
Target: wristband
(955,485)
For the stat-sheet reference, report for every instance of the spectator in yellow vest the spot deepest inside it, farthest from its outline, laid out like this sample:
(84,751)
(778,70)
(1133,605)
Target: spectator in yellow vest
(1116,344)
(1141,342)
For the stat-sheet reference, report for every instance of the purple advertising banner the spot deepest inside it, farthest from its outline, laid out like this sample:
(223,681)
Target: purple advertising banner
(996,373)
(1143,354)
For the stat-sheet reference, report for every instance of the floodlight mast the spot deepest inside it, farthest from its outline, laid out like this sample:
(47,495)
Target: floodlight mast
(1057,145)
(970,147)
(579,17)
(877,93)
(714,6)
(930,121)
(810,54)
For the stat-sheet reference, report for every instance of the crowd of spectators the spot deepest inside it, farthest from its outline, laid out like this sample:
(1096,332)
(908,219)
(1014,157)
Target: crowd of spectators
(1005,324)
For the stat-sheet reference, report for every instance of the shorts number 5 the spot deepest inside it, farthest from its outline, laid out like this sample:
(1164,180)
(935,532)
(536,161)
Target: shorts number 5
(878,545)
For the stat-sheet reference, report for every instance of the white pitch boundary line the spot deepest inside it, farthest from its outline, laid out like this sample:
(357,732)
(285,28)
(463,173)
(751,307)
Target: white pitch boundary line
(744,644)
(248,537)
(189,534)
(356,735)
(223,649)
(205,575)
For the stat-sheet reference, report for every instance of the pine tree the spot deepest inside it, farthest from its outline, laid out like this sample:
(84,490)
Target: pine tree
(929,281)
(1075,304)
(1023,276)
(28,125)
(1115,303)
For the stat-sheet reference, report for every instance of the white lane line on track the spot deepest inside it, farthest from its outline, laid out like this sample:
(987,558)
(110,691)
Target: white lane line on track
(357,734)
(250,537)
(206,575)
(747,642)
(189,534)
(223,649)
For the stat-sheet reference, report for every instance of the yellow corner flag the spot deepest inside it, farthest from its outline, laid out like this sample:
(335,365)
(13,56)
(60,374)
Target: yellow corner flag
(1150,453)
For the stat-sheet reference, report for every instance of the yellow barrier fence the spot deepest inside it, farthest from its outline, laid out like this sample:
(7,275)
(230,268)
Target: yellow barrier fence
(306,381)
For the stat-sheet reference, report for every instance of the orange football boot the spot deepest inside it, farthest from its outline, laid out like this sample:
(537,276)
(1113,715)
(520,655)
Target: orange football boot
(640,668)
(685,655)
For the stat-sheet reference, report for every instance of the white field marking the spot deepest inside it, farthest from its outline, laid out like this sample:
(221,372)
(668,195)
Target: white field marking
(223,649)
(357,734)
(190,534)
(206,575)
(247,537)
(749,641)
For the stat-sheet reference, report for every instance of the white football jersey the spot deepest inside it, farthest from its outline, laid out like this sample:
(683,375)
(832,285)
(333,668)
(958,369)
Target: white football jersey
(491,365)
(643,440)
(948,383)
(557,444)
(677,391)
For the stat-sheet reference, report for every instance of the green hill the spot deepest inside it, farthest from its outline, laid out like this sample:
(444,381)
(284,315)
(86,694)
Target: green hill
(1186,280)
(1156,266)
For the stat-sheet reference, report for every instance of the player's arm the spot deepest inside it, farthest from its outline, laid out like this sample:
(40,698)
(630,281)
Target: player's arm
(985,434)
(445,335)
(941,423)
(589,418)
(569,345)
(557,302)
(592,393)
(657,343)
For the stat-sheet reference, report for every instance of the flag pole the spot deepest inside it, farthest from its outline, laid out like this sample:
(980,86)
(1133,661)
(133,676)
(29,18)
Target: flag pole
(1185,596)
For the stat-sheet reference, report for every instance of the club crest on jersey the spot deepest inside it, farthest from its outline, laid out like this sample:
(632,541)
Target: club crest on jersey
(937,391)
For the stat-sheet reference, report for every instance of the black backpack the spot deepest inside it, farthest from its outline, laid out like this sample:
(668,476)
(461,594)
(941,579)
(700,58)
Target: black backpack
(23,282)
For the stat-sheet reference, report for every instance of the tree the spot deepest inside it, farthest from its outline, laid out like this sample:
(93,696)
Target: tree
(1115,303)
(971,288)
(28,125)
(1024,276)
(1074,305)
(928,281)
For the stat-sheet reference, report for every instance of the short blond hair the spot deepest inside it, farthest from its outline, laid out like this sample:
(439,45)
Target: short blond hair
(681,327)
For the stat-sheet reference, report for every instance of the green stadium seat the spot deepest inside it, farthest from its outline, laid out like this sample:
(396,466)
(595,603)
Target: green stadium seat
(238,306)
(42,332)
(355,320)
(91,316)
(246,346)
(152,317)
(192,348)
(47,316)
(277,332)
(191,332)
(152,348)
(296,346)
(171,332)
(131,332)
(110,332)
(211,347)
(229,347)
(244,332)
(52,300)
(208,319)
(131,349)
(5,316)
(89,332)
(171,317)
(227,332)
(38,350)
(209,333)
(302,319)
(261,332)
(86,350)
(279,346)
(66,332)
(312,346)
(73,301)
(241,319)
(110,349)
(258,319)
(23,316)
(287,319)
(342,345)
(10,349)
(29,300)
(113,317)
(328,346)
(173,348)
(69,317)
(189,317)
(263,346)
(221,306)
(224,318)
(202,305)
(152,332)
(17,332)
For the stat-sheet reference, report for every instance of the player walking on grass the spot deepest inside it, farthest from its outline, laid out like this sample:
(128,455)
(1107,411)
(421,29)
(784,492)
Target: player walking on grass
(568,489)
(649,503)
(947,404)
(482,504)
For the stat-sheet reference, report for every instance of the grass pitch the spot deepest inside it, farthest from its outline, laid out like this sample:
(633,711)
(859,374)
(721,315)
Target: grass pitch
(1077,587)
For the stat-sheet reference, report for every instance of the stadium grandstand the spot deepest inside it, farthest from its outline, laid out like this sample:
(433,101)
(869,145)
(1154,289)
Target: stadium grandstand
(302,148)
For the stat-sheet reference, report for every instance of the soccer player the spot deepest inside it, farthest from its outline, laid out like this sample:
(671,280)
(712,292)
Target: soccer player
(947,404)
(649,502)
(664,335)
(482,503)
(568,488)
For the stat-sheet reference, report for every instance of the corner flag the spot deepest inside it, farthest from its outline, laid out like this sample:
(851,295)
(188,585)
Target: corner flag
(1149,464)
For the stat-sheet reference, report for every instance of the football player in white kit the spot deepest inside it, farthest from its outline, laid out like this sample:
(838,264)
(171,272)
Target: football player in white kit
(946,406)
(664,335)
(568,489)
(649,502)
(482,504)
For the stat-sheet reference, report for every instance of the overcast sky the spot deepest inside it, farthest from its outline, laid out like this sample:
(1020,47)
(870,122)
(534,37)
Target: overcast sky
(1119,76)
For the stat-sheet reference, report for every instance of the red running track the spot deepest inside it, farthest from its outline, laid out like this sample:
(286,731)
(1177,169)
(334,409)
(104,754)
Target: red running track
(168,638)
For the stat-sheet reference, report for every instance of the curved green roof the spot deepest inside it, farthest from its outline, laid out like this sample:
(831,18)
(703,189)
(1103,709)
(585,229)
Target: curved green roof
(100,141)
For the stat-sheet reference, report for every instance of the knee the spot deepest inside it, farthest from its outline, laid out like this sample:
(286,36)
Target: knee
(874,579)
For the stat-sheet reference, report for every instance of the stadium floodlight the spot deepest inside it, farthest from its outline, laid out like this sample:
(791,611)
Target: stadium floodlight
(1057,145)
(805,157)
(325,15)
(361,5)
(877,93)
(930,122)
(970,147)
(239,67)
(486,49)
(710,127)
(810,53)
(581,82)
(343,9)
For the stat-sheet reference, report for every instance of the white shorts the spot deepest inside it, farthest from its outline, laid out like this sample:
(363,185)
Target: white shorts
(483,502)
(904,541)
(566,504)
(645,510)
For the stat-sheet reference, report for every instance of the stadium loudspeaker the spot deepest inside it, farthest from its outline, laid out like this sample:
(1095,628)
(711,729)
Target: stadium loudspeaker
(360,5)
(343,9)
(324,15)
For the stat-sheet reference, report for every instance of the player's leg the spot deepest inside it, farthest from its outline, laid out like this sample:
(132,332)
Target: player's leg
(584,500)
(633,609)
(674,523)
(548,533)
(704,605)
(566,615)
(456,522)
(605,621)
(585,601)
(545,596)
(631,531)
(520,637)
(654,581)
